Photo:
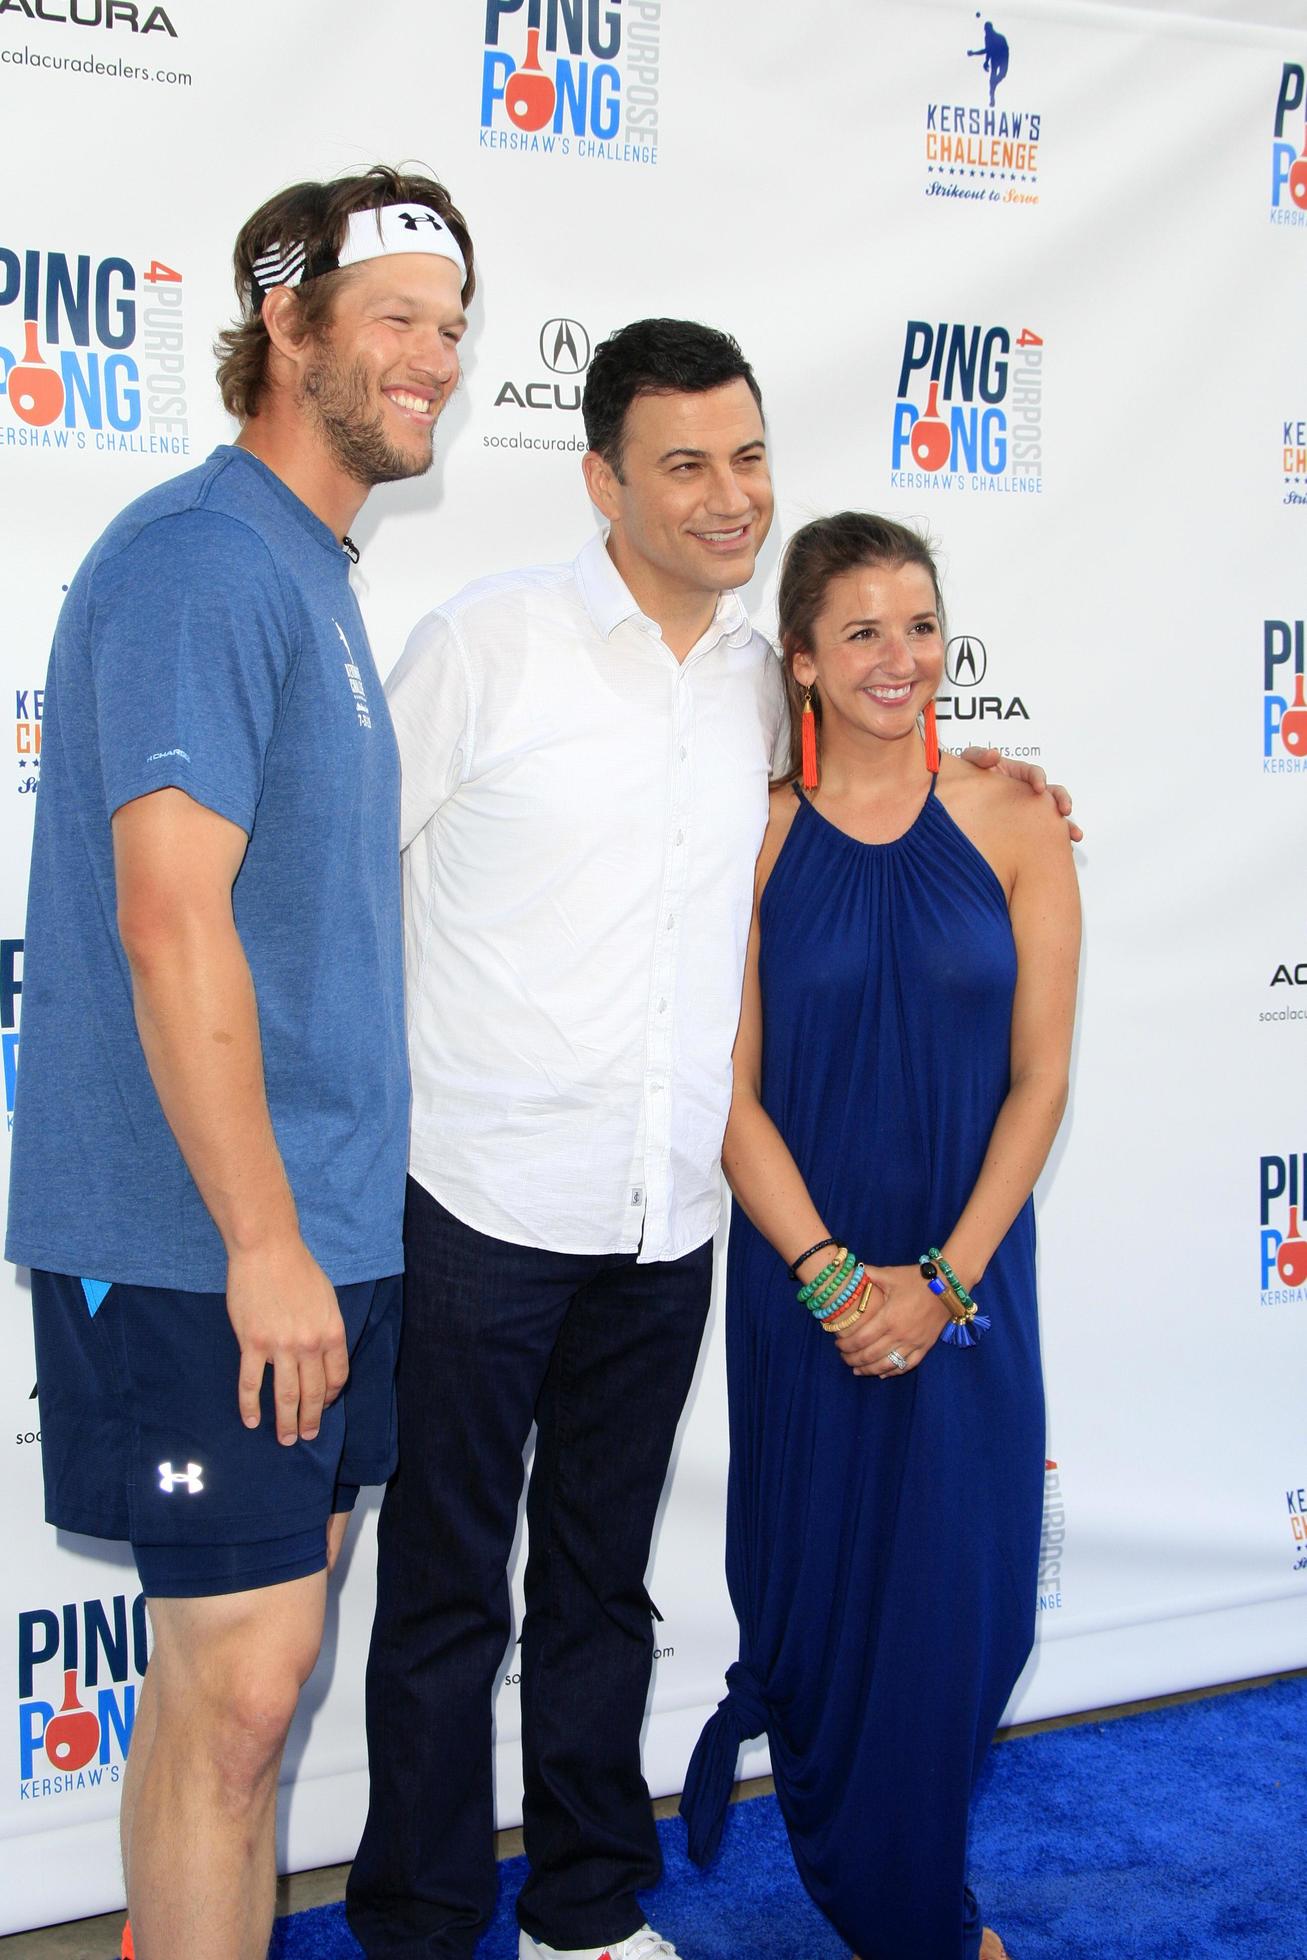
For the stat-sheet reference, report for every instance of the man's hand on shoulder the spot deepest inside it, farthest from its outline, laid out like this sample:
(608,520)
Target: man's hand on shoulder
(285,1315)
(1031,774)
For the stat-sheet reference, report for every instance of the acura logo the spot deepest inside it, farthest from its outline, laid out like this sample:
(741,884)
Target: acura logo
(565,346)
(965,661)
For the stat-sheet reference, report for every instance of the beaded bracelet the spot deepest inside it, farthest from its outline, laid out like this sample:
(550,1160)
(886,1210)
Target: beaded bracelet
(850,1314)
(960,1324)
(825,1294)
(814,1285)
(845,1294)
(793,1268)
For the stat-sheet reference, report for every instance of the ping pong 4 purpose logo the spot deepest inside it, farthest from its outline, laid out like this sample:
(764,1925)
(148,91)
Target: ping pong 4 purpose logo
(1283,1252)
(1289,148)
(1052,1541)
(92,354)
(1284,709)
(79,1674)
(573,78)
(968,412)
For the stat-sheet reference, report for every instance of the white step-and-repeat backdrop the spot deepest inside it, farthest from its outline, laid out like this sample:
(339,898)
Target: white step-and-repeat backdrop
(1038,281)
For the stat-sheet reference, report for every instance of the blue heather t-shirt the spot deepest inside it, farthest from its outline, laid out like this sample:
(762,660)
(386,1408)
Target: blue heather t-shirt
(211,643)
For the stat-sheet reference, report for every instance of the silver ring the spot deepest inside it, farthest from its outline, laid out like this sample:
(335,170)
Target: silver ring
(896,1360)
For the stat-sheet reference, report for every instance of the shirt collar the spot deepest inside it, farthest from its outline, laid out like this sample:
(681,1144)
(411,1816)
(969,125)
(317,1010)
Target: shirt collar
(609,602)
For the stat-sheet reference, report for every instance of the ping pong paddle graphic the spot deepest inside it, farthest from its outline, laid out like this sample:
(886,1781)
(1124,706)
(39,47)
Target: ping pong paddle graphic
(35,390)
(73,1735)
(530,95)
(931,441)
(1291,1259)
(1293,728)
(1298,177)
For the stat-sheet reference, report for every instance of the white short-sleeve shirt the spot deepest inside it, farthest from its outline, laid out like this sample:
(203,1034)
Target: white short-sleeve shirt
(580,819)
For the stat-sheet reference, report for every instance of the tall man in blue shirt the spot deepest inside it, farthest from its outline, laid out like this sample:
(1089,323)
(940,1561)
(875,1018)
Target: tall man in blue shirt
(209,1140)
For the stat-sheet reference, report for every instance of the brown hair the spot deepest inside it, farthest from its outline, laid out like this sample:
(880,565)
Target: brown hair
(315,216)
(816,554)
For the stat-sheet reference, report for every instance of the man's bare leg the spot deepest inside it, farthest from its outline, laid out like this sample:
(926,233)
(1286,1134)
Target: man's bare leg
(138,1756)
(199,1834)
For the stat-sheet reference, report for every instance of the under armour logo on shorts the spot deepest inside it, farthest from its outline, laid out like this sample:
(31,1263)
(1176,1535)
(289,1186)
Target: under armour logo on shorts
(192,1477)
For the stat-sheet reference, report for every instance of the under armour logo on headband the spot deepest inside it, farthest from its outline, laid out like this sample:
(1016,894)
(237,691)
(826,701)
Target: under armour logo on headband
(412,219)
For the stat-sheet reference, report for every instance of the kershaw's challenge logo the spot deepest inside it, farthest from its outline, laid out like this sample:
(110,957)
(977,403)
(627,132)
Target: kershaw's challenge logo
(79,1673)
(969,409)
(1297,1503)
(1293,454)
(29,708)
(572,78)
(984,154)
(1284,720)
(1289,149)
(92,354)
(1283,1252)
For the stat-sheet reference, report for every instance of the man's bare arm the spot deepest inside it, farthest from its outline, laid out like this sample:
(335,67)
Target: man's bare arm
(175,864)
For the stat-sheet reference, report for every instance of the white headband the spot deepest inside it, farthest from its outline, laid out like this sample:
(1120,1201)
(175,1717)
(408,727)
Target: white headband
(399,228)
(395,228)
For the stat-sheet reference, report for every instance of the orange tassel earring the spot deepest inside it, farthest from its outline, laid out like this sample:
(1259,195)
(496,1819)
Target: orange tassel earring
(932,739)
(808,725)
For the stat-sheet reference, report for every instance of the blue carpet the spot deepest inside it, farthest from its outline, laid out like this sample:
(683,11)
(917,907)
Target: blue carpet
(1177,1835)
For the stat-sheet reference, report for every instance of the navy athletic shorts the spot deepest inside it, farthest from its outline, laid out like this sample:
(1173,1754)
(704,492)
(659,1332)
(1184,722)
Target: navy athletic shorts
(141,1437)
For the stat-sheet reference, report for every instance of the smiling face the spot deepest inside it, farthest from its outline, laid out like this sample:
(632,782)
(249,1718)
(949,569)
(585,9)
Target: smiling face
(693,502)
(376,380)
(877,652)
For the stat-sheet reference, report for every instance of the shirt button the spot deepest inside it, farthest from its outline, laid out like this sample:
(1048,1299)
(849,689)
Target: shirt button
(671,920)
(684,752)
(662,1007)
(680,836)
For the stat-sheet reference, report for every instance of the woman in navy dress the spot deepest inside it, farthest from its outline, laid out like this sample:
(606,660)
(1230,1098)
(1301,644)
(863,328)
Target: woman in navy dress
(900,1073)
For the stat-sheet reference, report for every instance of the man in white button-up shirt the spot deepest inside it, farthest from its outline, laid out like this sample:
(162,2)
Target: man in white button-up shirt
(586,751)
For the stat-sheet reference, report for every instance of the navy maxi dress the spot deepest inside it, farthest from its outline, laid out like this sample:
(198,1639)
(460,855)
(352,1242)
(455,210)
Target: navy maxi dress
(883,1536)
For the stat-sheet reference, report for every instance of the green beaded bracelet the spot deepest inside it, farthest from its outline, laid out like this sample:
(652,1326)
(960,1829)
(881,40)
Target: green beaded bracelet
(833,1285)
(827,1277)
(806,1292)
(836,1306)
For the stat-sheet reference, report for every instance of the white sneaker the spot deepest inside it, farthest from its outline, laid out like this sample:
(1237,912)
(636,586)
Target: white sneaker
(644,1945)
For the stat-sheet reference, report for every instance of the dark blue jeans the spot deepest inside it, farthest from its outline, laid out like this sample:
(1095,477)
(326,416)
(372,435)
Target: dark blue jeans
(599,1352)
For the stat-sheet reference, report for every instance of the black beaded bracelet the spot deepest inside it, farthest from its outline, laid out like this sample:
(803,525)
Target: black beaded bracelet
(819,1247)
